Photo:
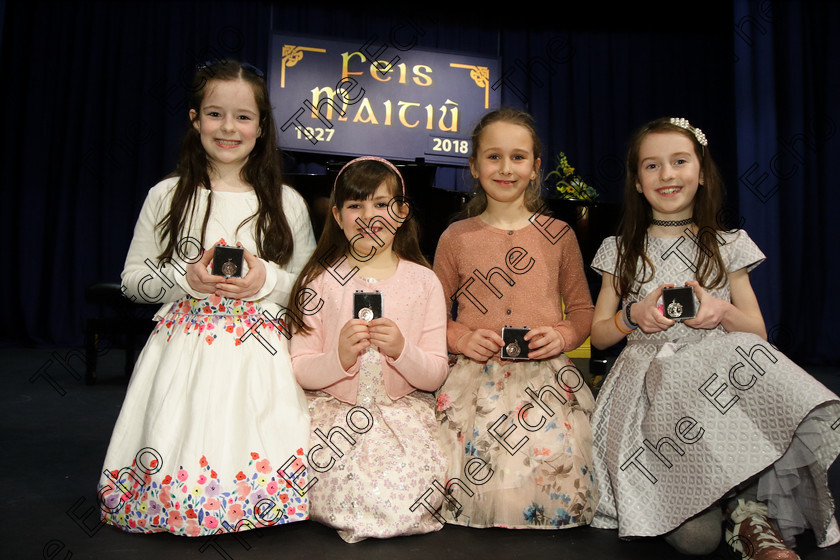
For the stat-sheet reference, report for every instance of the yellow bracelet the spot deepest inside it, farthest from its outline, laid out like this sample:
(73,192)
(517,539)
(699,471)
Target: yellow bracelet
(615,320)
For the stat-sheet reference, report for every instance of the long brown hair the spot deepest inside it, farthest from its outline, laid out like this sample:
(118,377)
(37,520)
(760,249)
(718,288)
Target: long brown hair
(262,171)
(533,200)
(637,217)
(359,181)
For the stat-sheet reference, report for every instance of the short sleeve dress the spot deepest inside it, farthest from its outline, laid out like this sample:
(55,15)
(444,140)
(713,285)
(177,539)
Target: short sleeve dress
(686,415)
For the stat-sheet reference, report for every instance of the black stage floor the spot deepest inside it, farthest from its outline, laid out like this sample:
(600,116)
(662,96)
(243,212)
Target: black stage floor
(54,445)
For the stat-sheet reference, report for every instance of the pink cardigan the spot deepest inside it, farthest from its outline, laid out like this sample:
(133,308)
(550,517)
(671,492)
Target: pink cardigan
(516,278)
(412,298)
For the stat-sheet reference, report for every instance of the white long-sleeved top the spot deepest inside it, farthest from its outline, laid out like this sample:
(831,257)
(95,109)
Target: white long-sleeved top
(145,280)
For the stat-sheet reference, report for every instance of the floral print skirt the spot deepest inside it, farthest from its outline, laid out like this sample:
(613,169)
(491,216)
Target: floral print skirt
(375,477)
(519,443)
(212,431)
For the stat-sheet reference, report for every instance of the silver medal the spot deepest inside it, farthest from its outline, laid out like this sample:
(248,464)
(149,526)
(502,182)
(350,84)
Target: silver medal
(229,268)
(513,349)
(366,314)
(675,309)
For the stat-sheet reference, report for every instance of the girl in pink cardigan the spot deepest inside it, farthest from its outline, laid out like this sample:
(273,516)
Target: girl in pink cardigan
(369,347)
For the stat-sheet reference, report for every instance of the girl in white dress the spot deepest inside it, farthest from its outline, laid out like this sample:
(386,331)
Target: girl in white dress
(211,434)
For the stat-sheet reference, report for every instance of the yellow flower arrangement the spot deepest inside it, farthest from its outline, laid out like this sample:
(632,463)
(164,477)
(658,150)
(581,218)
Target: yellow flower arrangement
(567,183)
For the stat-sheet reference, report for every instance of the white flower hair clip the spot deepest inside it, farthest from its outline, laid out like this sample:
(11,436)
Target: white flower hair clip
(683,123)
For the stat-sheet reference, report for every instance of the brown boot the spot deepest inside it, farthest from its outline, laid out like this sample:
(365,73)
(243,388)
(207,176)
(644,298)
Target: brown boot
(750,532)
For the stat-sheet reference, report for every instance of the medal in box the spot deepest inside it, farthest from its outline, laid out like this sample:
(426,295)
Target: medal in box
(515,346)
(367,306)
(227,261)
(678,303)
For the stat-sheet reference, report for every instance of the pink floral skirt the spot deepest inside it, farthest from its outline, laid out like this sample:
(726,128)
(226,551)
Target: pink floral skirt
(519,443)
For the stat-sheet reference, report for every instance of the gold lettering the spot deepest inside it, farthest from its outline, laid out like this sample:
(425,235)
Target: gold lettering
(420,78)
(453,126)
(387,113)
(330,102)
(365,113)
(345,64)
(404,105)
(380,68)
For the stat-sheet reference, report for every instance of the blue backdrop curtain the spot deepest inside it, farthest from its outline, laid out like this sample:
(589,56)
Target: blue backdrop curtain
(95,100)
(786,94)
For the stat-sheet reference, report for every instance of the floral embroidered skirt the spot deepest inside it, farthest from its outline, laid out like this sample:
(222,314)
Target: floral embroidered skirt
(519,444)
(373,486)
(212,431)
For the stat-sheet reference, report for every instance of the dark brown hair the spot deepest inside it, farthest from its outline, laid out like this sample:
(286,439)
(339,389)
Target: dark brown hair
(262,170)
(359,181)
(478,203)
(637,216)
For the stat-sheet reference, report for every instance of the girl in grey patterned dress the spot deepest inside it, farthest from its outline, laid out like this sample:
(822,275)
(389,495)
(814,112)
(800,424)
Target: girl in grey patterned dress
(700,413)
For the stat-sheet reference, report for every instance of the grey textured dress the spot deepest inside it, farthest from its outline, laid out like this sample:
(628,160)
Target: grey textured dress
(686,415)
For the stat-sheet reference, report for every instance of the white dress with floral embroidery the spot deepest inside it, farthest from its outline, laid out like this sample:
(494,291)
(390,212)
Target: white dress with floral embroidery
(212,412)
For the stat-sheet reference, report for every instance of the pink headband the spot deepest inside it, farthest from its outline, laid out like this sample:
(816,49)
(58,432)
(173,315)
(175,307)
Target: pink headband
(387,163)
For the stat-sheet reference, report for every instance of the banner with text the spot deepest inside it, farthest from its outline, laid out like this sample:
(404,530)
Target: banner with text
(344,98)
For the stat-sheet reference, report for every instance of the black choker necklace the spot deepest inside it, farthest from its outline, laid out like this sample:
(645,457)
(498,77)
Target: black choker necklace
(668,223)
